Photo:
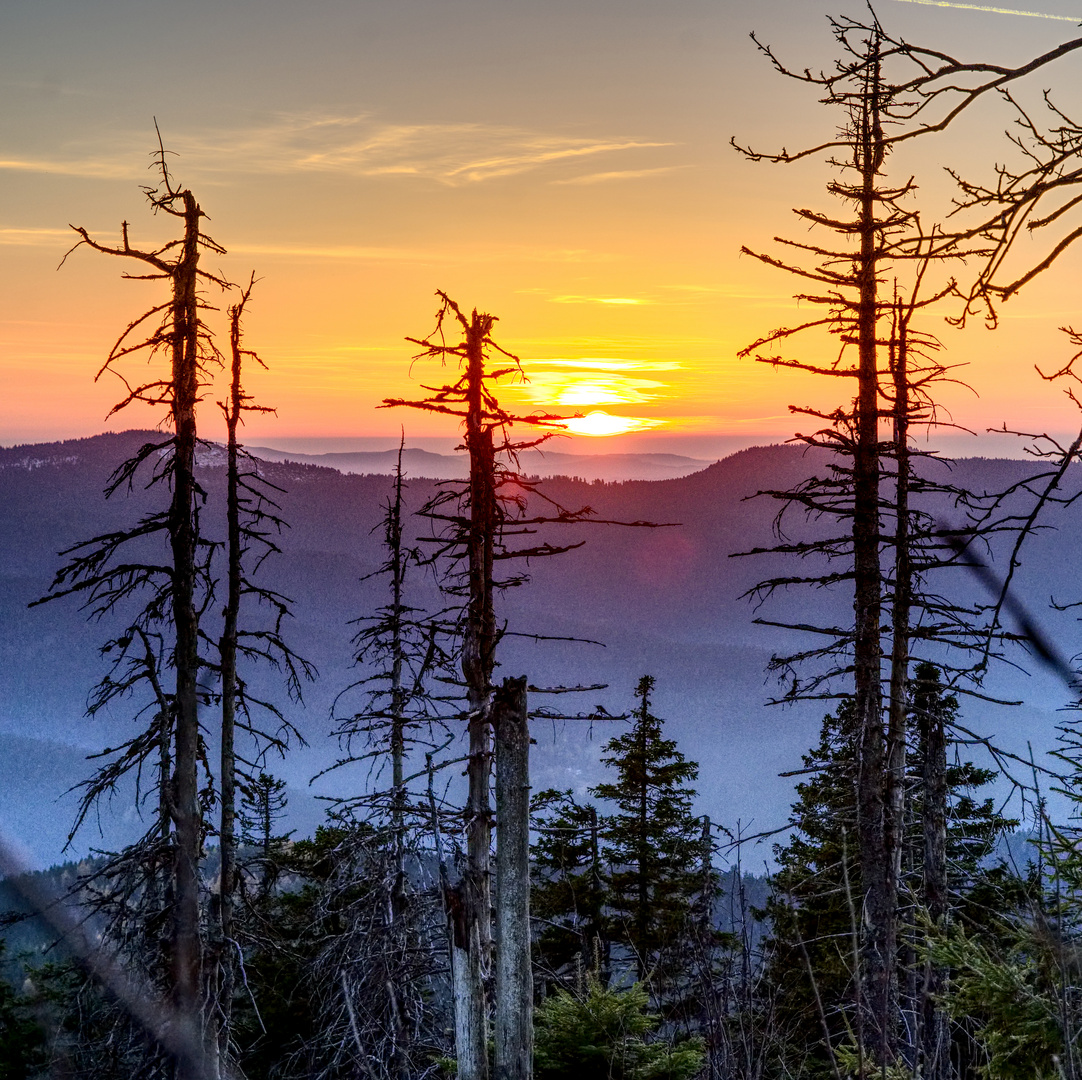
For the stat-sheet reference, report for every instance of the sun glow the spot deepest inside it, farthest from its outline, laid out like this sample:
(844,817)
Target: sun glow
(571,389)
(599,424)
(561,385)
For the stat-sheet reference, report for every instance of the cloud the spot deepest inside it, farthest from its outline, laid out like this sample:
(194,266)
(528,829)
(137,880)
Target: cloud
(495,253)
(993,10)
(35,237)
(567,389)
(623,174)
(360,145)
(123,165)
(452,154)
(573,298)
(605,363)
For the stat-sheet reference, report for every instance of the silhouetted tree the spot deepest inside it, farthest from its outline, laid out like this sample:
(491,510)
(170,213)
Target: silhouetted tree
(949,837)
(401,649)
(889,92)
(111,570)
(652,849)
(253,524)
(476,523)
(478,519)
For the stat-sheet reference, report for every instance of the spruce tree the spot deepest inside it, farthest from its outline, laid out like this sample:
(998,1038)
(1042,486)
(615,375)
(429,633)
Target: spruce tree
(815,909)
(567,898)
(652,846)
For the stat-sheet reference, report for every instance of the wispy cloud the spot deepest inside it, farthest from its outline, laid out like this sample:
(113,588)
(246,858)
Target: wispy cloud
(574,298)
(605,363)
(568,389)
(501,253)
(122,164)
(35,237)
(620,174)
(994,10)
(55,237)
(359,145)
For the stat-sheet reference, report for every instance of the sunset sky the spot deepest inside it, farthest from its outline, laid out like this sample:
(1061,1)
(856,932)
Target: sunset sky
(562,164)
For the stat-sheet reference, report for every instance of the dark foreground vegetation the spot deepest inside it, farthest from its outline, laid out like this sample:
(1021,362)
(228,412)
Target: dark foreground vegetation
(447,920)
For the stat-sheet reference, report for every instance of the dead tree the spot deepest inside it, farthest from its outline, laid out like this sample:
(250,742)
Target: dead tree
(106,575)
(498,505)
(400,648)
(890,91)
(932,736)
(253,523)
(477,532)
(514,975)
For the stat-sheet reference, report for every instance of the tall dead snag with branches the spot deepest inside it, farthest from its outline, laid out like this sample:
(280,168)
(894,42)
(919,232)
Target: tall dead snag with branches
(253,523)
(109,570)
(477,523)
(400,717)
(889,91)
(402,648)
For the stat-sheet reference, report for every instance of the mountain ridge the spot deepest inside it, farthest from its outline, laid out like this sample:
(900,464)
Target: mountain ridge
(665,601)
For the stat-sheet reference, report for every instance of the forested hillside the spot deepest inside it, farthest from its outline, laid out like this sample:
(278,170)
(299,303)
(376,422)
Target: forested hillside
(667,602)
(762,769)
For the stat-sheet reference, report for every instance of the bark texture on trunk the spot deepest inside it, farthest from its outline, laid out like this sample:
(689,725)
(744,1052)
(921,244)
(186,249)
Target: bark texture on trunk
(228,659)
(471,1021)
(901,604)
(186,943)
(935,1048)
(477,663)
(514,973)
(879,944)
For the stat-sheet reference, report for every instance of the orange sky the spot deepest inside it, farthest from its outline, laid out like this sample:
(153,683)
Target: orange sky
(563,165)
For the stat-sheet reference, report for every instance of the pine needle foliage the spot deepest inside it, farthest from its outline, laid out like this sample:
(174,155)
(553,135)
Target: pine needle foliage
(601,1033)
(651,841)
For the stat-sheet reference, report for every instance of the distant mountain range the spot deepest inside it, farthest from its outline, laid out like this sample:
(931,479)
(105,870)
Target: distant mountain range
(545,463)
(663,601)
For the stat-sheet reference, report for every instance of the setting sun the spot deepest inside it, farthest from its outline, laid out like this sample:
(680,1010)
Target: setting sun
(600,423)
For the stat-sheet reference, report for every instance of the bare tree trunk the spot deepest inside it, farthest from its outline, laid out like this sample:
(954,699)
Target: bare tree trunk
(642,912)
(933,738)
(514,972)
(876,1021)
(900,617)
(228,660)
(477,664)
(398,694)
(187,945)
(395,901)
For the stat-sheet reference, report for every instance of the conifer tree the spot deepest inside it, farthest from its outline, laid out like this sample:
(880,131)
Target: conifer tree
(568,896)
(814,912)
(652,846)
(889,91)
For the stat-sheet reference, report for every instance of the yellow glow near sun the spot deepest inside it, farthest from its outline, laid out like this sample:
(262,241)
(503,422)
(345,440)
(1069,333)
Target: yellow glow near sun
(575,298)
(599,424)
(570,385)
(570,389)
(605,363)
